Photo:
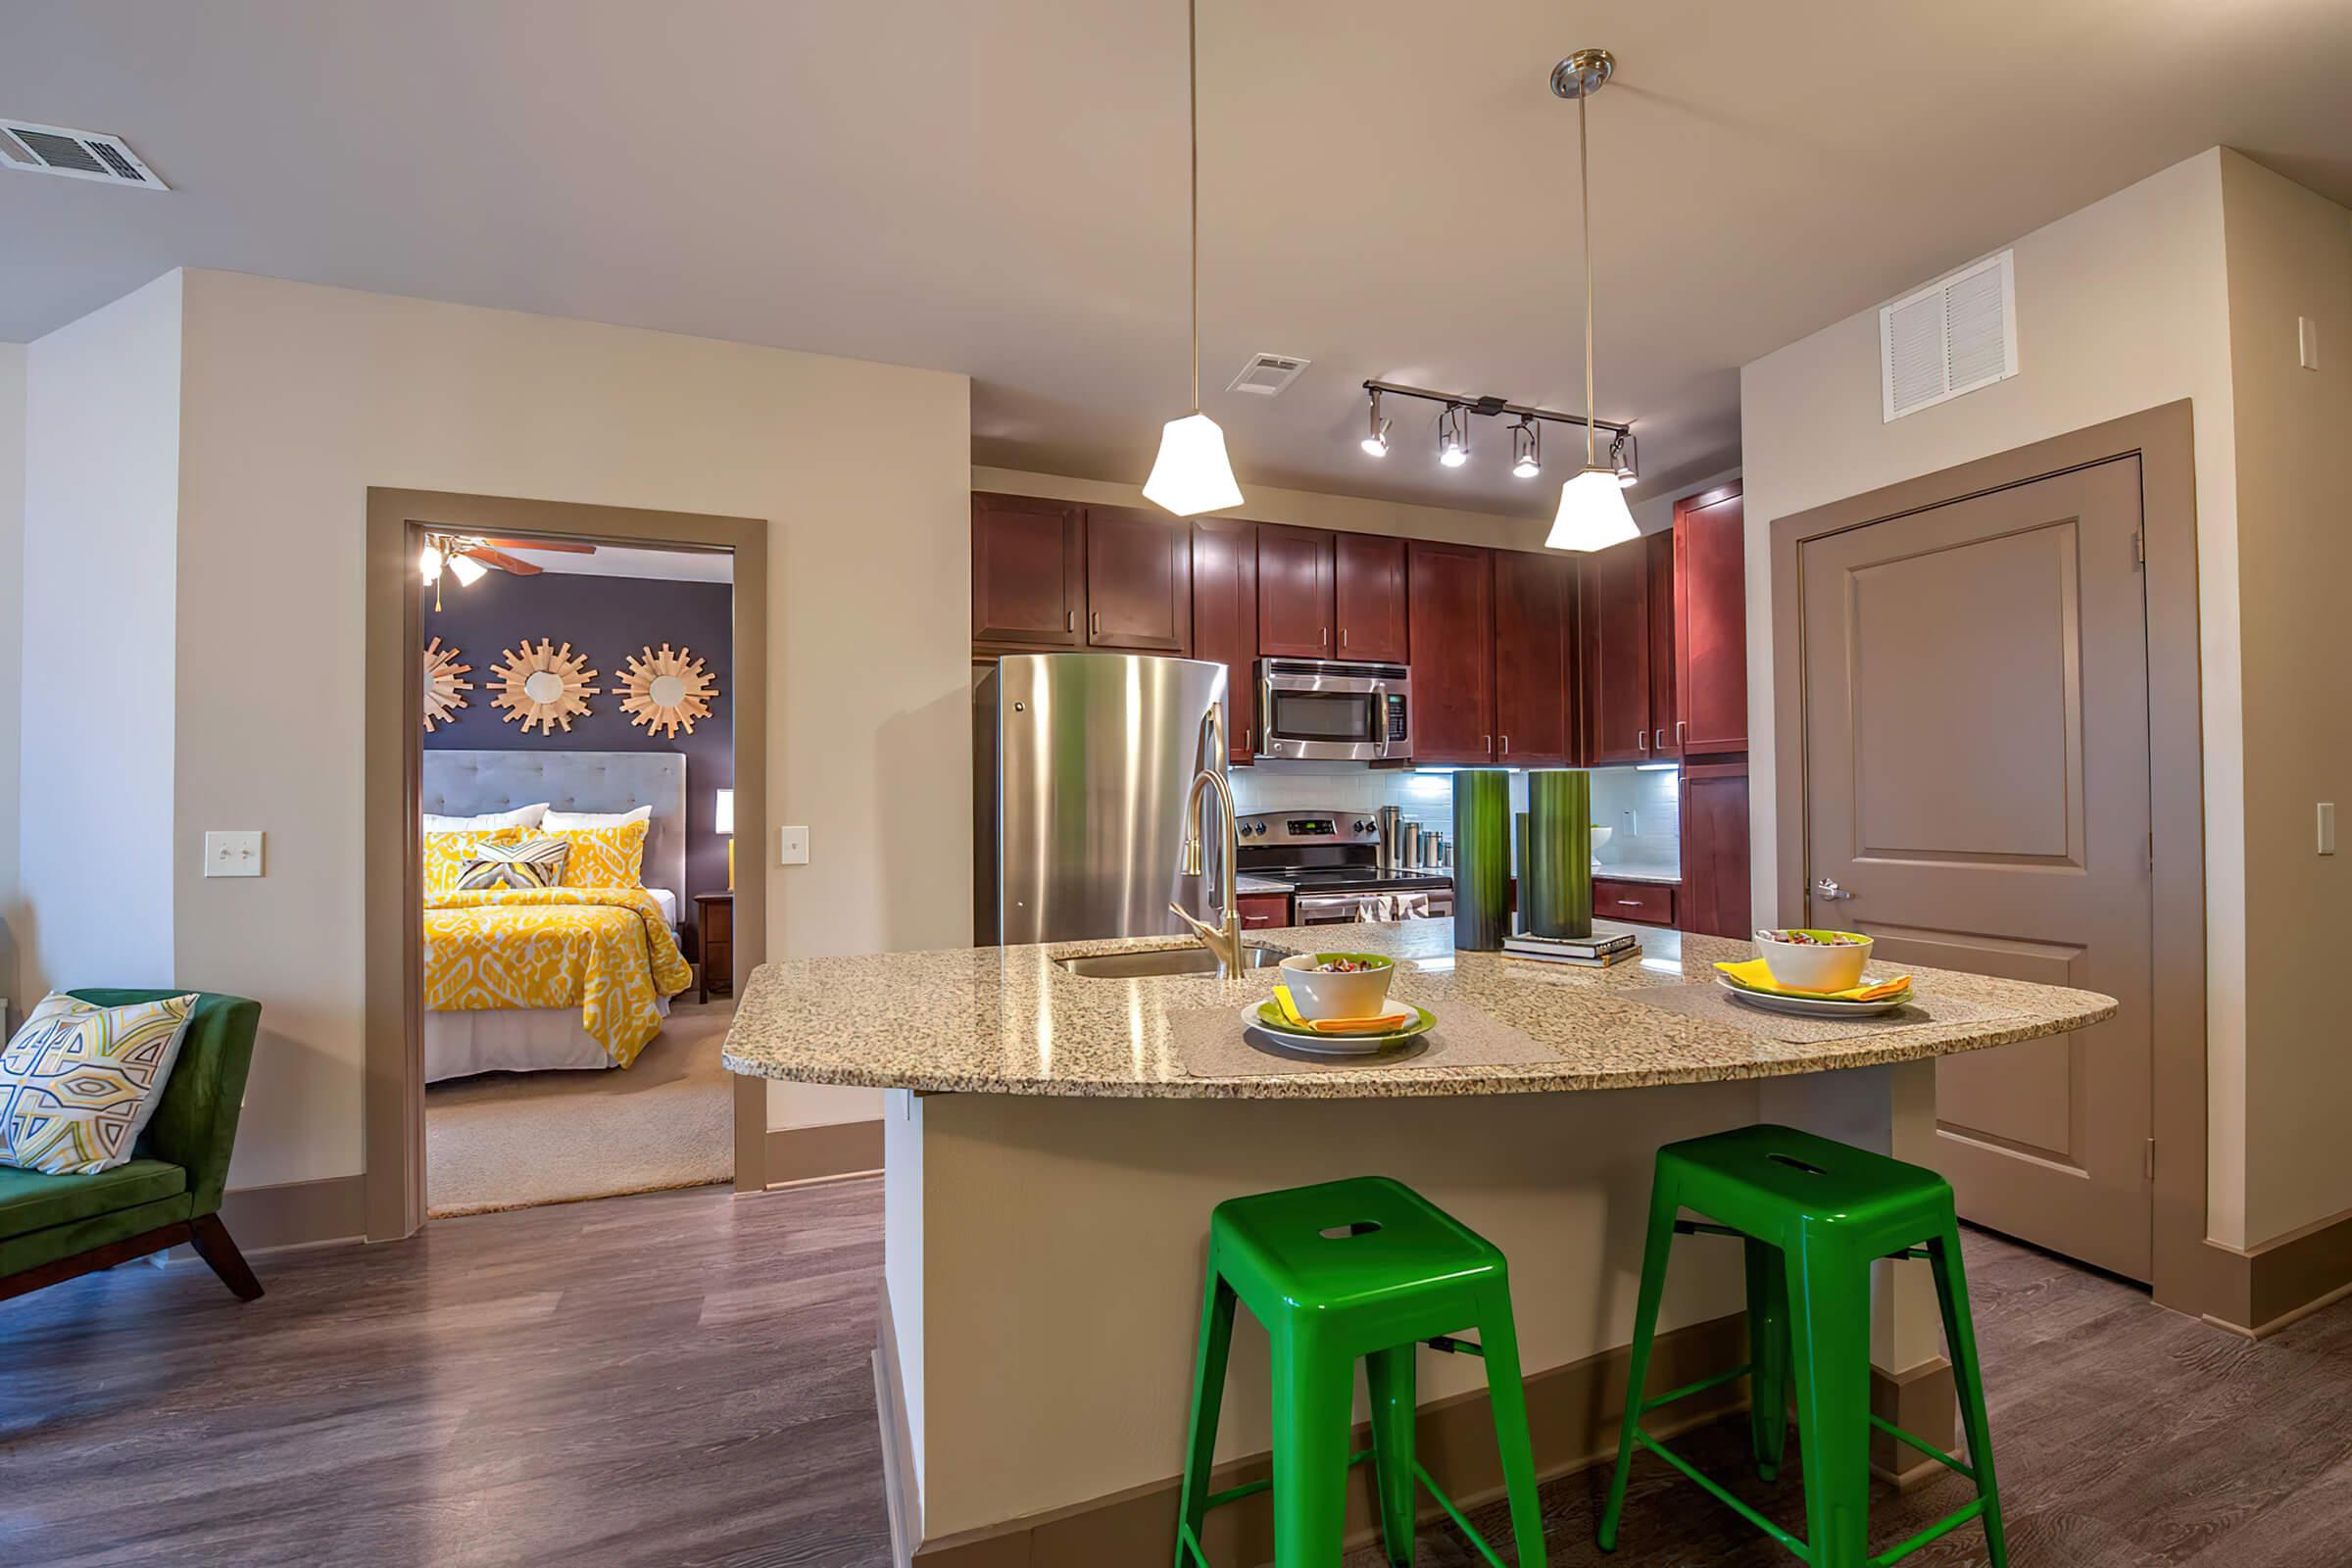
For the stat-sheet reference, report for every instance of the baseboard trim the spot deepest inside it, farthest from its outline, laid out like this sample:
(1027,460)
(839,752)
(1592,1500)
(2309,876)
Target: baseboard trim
(290,1214)
(1923,1400)
(2283,1280)
(1572,1413)
(800,1155)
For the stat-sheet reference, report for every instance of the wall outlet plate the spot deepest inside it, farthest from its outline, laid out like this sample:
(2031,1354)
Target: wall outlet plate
(235,853)
(793,845)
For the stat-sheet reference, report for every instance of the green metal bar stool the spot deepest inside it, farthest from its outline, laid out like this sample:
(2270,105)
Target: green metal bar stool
(1365,1269)
(1814,1215)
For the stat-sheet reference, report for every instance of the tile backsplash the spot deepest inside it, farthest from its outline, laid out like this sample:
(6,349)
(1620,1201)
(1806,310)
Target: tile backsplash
(1642,808)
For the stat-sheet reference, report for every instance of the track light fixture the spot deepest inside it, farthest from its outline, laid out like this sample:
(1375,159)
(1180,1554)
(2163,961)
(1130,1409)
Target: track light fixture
(1376,439)
(1625,456)
(1527,450)
(1453,436)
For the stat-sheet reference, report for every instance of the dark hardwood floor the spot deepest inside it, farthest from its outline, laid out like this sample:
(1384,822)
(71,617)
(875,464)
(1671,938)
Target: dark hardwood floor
(682,1378)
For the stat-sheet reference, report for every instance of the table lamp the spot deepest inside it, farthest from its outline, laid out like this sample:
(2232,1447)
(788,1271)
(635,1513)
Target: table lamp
(727,827)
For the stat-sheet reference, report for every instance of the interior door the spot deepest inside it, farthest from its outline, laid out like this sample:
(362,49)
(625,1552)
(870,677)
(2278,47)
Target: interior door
(1977,799)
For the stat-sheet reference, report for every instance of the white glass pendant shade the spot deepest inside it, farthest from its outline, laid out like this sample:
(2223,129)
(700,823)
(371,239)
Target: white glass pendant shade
(1593,514)
(1192,474)
(466,571)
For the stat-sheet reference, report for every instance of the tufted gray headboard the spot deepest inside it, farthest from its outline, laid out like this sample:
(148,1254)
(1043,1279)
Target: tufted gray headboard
(470,783)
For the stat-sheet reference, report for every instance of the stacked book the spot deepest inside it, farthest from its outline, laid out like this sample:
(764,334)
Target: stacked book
(1596,952)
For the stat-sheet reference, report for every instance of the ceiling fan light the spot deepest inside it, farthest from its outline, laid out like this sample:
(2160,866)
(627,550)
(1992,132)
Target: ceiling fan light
(466,571)
(1593,514)
(1192,474)
(429,562)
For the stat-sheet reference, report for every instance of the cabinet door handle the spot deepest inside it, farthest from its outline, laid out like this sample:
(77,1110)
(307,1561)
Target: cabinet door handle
(1070,620)
(1489,742)
(1093,623)
(1642,742)
(1678,732)
(1322,636)
(1506,746)
(1342,636)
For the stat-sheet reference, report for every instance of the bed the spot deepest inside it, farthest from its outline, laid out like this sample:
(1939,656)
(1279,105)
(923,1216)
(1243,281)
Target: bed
(614,958)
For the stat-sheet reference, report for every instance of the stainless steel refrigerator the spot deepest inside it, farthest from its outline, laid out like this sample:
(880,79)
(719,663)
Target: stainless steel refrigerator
(1081,766)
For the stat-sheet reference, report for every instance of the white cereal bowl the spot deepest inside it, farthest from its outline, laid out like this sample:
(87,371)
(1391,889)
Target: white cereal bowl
(1331,994)
(1814,965)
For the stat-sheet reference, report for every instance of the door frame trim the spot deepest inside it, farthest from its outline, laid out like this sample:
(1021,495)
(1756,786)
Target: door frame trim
(392,1115)
(2187,1275)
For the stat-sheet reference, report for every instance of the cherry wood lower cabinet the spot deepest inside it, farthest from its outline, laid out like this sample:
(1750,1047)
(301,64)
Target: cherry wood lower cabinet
(1139,581)
(1641,902)
(1715,868)
(1262,912)
(1028,571)
(1294,592)
(1710,615)
(1225,619)
(1452,622)
(1535,664)
(1368,595)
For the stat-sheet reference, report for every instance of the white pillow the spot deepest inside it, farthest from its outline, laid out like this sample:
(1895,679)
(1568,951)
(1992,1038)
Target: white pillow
(573,821)
(78,1082)
(520,817)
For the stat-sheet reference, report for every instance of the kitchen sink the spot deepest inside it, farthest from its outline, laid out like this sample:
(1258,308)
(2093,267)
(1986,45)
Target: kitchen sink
(1165,961)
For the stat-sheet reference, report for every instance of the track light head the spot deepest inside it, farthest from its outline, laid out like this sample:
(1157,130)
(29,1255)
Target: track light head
(1526,455)
(1376,439)
(1453,436)
(1625,456)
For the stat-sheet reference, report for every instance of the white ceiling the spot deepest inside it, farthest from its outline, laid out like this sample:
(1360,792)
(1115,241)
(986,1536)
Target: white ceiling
(998,188)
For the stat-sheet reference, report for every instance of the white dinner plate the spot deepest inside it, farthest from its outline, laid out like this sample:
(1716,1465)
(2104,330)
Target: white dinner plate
(1290,1039)
(1814,1006)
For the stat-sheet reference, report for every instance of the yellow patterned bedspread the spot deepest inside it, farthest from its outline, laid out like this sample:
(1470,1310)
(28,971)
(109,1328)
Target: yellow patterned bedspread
(605,951)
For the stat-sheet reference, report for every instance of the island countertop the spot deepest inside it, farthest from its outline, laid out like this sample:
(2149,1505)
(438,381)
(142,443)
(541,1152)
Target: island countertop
(1012,1021)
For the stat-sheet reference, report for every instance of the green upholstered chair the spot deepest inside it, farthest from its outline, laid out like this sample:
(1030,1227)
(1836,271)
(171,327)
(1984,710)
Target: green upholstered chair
(54,1228)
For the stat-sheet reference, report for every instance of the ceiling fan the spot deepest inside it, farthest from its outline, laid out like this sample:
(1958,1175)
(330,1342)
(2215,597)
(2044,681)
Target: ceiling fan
(468,556)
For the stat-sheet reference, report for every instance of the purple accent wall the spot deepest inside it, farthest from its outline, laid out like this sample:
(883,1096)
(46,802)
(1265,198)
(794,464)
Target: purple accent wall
(606,620)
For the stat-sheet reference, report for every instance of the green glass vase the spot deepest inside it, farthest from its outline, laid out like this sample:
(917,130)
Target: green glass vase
(1481,859)
(1556,898)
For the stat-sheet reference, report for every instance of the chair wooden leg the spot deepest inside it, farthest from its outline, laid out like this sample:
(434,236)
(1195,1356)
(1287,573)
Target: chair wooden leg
(211,1240)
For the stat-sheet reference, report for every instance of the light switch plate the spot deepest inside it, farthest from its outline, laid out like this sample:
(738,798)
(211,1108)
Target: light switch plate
(793,845)
(2326,827)
(232,854)
(2307,342)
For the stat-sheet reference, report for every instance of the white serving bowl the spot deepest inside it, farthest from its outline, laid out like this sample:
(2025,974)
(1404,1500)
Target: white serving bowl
(1330,994)
(1813,965)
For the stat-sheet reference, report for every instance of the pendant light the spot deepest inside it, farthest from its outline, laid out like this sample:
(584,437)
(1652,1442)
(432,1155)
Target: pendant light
(1192,474)
(1592,512)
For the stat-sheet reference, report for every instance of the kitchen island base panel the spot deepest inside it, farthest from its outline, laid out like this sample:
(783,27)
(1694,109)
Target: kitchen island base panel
(1045,1262)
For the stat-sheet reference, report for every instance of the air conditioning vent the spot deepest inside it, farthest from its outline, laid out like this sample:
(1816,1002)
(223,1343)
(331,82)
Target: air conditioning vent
(74,154)
(1267,373)
(1948,338)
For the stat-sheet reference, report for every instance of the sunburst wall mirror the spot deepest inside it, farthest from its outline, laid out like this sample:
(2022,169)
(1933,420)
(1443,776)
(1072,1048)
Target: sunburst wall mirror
(667,692)
(444,692)
(546,685)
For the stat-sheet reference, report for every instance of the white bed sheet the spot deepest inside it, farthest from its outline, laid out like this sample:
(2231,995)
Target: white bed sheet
(457,1045)
(669,905)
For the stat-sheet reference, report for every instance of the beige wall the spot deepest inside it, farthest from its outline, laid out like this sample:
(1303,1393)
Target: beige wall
(1304,508)
(2119,307)
(11,646)
(299,398)
(101,478)
(2291,254)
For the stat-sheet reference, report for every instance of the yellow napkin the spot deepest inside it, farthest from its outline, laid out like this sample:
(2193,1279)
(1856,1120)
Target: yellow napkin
(1756,975)
(1381,1026)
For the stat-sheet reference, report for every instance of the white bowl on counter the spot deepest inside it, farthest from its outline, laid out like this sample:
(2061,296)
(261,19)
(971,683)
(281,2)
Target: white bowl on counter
(1816,966)
(1319,993)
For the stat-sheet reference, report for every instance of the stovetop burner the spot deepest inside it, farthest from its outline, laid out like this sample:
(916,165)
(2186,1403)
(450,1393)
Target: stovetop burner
(1354,878)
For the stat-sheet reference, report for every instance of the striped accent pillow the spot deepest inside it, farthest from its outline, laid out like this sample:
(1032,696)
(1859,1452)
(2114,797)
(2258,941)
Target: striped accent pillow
(78,1082)
(447,854)
(536,863)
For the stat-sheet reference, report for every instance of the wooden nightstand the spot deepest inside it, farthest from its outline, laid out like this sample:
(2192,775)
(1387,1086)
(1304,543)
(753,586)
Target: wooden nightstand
(715,919)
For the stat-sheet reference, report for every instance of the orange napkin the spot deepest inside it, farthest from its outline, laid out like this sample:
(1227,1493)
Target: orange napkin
(1385,1023)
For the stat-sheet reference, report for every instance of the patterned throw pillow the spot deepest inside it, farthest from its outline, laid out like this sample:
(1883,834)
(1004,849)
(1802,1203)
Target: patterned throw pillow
(78,1082)
(447,854)
(536,863)
(606,856)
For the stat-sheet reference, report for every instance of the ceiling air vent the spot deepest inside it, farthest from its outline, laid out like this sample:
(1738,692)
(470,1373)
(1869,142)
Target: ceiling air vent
(1950,337)
(74,154)
(1267,373)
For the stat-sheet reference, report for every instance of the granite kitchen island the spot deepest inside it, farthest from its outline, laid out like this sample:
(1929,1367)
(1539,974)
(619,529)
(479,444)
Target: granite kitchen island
(1044,1256)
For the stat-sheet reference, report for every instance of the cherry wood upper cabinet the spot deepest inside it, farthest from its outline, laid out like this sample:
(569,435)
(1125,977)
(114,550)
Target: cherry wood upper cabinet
(1139,580)
(1662,643)
(1613,612)
(1368,574)
(1225,619)
(1710,542)
(1450,589)
(1295,592)
(1028,571)
(1535,616)
(1715,875)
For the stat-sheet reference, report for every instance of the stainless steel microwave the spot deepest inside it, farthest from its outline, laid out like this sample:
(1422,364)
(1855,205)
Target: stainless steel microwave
(1330,709)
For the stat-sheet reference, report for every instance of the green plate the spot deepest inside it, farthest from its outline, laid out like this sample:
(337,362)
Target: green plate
(1267,1016)
(1735,984)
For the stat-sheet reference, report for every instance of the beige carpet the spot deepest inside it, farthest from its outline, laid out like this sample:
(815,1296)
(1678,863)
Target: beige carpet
(509,1140)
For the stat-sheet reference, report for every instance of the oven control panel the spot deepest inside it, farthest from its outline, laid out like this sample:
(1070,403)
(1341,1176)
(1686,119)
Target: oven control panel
(1302,827)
